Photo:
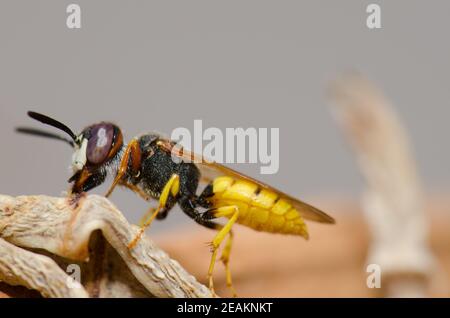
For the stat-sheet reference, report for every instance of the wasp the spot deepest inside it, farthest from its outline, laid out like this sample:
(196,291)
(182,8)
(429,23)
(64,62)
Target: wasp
(157,168)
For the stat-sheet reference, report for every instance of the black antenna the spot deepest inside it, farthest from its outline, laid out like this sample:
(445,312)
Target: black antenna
(42,133)
(52,122)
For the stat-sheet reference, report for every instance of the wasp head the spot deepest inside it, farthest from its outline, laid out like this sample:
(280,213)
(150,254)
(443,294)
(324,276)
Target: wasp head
(97,145)
(95,148)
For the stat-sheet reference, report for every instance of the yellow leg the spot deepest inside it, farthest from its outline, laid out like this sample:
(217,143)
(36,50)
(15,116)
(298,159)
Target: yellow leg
(225,258)
(172,186)
(233,213)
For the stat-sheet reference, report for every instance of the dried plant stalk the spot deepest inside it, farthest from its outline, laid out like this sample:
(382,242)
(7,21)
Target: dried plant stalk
(40,236)
(393,200)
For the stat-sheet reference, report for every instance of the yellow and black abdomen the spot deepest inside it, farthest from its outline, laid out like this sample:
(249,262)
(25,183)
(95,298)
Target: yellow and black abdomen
(259,209)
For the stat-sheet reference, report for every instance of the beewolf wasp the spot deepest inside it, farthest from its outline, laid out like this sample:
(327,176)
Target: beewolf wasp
(146,165)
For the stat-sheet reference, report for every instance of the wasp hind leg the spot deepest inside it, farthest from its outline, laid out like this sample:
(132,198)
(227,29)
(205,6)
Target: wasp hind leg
(232,212)
(188,205)
(165,203)
(225,258)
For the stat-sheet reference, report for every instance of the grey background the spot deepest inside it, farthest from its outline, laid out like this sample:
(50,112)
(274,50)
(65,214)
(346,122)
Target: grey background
(158,65)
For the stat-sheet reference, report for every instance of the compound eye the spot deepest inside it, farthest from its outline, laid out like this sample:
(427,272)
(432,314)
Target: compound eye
(100,142)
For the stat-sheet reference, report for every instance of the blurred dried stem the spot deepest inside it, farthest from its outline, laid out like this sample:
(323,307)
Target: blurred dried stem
(393,199)
(41,236)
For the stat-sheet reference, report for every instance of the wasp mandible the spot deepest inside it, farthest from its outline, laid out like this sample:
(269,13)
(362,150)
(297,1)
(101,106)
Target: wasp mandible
(146,165)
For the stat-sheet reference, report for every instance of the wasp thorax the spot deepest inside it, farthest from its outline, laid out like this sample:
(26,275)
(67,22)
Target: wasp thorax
(99,142)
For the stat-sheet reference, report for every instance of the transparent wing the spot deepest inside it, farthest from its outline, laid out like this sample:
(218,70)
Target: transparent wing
(211,170)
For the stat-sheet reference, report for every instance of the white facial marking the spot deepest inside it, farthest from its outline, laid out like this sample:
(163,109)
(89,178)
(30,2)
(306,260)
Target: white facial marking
(79,156)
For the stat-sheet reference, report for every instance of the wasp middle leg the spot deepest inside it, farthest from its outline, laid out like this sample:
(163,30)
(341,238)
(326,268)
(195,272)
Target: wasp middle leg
(172,187)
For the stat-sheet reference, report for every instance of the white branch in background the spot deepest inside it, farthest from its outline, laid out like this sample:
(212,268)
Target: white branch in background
(67,232)
(393,199)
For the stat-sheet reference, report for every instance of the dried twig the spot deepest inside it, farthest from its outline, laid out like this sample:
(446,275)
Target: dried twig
(40,236)
(393,198)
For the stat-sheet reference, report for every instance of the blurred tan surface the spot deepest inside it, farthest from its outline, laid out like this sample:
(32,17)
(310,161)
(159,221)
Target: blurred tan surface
(330,264)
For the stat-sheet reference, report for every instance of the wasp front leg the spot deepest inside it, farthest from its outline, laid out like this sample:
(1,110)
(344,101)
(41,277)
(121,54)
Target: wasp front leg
(172,187)
(231,212)
(132,151)
(136,189)
(85,180)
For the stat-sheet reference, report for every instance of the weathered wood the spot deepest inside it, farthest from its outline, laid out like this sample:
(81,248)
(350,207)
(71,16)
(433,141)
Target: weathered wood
(92,234)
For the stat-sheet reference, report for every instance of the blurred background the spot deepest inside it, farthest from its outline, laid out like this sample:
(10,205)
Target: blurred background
(159,65)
